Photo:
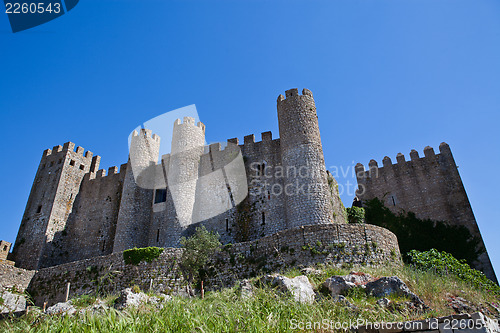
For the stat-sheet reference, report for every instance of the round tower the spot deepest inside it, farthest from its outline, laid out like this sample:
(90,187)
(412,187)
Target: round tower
(134,216)
(307,196)
(188,142)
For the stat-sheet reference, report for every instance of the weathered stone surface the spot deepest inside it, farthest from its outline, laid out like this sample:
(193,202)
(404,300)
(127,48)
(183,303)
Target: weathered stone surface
(299,286)
(391,285)
(234,263)
(128,298)
(358,278)
(15,278)
(338,285)
(425,186)
(65,308)
(246,288)
(12,302)
(383,302)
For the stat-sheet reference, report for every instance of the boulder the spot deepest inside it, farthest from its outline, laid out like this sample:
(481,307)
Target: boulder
(246,289)
(128,298)
(383,302)
(391,285)
(338,285)
(299,286)
(12,302)
(65,308)
(358,278)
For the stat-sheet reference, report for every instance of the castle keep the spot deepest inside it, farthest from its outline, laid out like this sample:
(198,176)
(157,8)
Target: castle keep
(429,186)
(75,211)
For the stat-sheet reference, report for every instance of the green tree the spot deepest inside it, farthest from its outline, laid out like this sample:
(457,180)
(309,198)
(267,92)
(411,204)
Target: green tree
(355,215)
(198,249)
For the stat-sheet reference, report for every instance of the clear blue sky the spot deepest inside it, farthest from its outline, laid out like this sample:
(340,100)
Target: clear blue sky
(387,76)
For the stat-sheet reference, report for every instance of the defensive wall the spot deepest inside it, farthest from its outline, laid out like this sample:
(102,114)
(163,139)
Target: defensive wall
(429,186)
(337,244)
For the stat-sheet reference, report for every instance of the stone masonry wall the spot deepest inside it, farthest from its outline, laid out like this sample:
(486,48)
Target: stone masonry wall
(429,186)
(13,277)
(308,245)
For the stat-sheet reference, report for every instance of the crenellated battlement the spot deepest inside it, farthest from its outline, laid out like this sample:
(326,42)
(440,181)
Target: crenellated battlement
(68,147)
(189,121)
(292,93)
(266,137)
(146,133)
(429,156)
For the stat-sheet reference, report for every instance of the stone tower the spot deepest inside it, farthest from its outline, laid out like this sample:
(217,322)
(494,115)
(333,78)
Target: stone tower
(188,142)
(307,198)
(132,227)
(50,202)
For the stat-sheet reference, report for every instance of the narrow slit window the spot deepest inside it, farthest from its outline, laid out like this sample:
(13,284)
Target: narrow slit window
(393,201)
(157,235)
(160,195)
(103,245)
(263,218)
(227,225)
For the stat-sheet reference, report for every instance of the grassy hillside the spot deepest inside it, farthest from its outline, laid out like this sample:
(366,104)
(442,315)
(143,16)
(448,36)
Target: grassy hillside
(268,310)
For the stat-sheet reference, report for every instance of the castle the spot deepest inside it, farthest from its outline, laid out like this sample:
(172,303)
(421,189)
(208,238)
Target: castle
(75,211)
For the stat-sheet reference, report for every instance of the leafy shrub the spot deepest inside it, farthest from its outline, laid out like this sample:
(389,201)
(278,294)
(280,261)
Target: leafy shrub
(423,235)
(444,263)
(355,214)
(135,256)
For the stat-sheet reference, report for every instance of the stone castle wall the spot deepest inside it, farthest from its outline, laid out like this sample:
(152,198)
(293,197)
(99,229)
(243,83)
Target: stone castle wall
(76,212)
(14,278)
(304,246)
(429,186)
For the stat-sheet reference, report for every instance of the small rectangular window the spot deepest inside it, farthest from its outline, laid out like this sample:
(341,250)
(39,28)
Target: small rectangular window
(43,167)
(72,163)
(160,195)
(51,164)
(263,218)
(39,209)
(5,248)
(82,166)
(60,161)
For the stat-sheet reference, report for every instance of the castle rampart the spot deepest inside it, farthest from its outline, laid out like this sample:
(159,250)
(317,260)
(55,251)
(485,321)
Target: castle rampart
(339,244)
(429,186)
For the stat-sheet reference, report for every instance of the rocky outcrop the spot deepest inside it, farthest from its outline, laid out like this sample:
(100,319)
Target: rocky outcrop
(299,287)
(392,285)
(11,302)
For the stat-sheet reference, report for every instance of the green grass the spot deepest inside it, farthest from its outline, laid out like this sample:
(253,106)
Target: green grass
(267,311)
